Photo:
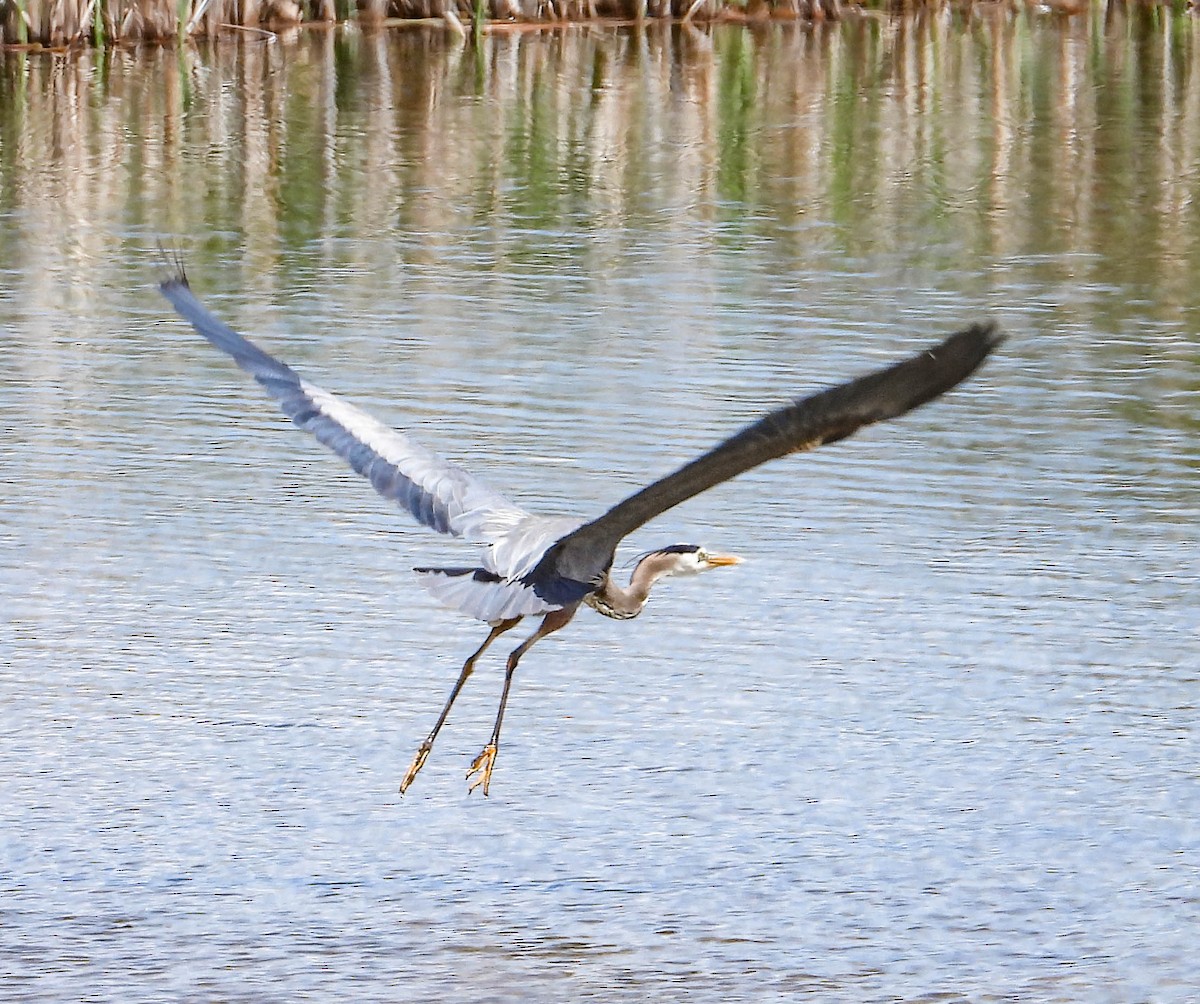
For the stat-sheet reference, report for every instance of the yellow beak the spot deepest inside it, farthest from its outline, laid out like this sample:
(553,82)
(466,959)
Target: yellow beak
(717,560)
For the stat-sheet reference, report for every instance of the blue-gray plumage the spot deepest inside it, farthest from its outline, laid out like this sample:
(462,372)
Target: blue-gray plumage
(551,566)
(373,451)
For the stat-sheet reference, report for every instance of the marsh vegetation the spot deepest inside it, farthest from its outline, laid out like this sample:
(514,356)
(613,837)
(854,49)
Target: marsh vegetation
(61,24)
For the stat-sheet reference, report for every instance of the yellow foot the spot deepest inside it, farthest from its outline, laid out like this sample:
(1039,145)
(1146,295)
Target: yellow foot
(417,764)
(482,765)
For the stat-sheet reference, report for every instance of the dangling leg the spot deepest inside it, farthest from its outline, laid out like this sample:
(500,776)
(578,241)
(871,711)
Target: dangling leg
(423,752)
(482,764)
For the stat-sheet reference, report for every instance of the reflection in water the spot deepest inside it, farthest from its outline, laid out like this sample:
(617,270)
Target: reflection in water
(997,133)
(941,747)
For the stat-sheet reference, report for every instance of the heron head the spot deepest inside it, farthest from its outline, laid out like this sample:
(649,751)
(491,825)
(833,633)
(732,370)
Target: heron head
(678,559)
(688,559)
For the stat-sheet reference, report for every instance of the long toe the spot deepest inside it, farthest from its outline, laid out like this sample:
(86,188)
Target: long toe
(417,764)
(481,769)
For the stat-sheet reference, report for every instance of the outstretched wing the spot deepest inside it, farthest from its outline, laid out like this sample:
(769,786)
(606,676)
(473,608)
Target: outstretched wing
(575,564)
(439,494)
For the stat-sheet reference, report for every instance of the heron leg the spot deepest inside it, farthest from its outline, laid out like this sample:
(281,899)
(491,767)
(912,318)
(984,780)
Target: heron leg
(481,766)
(423,751)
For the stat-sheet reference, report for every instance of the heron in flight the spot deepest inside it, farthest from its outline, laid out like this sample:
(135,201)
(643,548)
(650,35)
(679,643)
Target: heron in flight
(534,565)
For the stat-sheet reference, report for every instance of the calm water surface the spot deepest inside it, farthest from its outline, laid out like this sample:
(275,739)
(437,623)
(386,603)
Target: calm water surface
(936,739)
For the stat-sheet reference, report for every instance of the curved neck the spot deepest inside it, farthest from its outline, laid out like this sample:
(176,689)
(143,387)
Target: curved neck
(623,603)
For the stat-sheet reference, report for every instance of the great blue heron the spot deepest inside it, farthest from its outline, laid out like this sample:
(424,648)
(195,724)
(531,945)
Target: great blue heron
(549,566)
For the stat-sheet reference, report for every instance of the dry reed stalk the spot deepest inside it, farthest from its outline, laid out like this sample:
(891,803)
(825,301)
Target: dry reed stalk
(63,23)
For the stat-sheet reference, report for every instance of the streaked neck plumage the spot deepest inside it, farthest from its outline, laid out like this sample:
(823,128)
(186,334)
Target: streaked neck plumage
(622,603)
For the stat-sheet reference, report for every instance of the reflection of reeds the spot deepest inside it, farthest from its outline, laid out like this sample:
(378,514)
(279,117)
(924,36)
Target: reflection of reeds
(64,23)
(1006,133)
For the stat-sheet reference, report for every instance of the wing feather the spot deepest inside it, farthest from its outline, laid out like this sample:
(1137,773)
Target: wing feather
(484,595)
(575,564)
(437,493)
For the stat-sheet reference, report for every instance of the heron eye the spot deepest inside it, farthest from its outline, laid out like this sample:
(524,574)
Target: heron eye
(701,554)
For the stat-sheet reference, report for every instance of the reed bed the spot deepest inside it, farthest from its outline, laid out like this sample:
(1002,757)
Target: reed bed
(62,24)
